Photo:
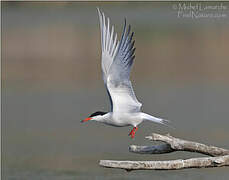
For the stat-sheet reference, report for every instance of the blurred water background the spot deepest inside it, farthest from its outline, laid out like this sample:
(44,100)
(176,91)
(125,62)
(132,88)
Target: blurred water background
(51,79)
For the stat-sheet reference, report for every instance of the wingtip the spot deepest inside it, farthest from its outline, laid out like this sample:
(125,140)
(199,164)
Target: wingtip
(98,10)
(124,27)
(129,28)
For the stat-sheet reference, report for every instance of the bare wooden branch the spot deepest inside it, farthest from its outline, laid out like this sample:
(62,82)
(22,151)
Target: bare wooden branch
(171,144)
(156,149)
(168,165)
(176,144)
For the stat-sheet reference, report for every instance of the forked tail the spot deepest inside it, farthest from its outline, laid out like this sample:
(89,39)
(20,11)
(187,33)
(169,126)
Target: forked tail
(157,120)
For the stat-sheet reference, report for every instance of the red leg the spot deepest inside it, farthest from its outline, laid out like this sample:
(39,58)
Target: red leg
(132,132)
(132,136)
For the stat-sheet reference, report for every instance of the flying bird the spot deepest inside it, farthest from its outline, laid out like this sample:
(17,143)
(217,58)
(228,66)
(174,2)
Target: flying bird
(117,60)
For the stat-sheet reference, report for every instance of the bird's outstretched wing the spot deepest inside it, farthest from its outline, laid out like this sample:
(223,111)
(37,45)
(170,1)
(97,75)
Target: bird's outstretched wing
(117,60)
(109,46)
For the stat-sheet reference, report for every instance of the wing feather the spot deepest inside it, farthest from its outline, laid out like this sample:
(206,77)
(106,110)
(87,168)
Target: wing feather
(109,48)
(117,60)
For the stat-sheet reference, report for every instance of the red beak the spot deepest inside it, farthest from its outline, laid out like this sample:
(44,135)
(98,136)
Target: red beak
(87,119)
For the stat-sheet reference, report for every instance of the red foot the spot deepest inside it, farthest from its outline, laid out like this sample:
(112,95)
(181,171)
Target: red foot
(132,132)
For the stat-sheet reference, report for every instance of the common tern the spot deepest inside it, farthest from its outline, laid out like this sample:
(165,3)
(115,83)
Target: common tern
(117,60)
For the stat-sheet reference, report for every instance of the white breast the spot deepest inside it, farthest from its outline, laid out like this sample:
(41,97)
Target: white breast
(124,119)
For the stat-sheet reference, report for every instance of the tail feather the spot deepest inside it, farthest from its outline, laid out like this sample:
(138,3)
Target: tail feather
(167,123)
(157,120)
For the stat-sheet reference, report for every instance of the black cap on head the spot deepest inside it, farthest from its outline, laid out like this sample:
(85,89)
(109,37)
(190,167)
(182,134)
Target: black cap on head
(97,113)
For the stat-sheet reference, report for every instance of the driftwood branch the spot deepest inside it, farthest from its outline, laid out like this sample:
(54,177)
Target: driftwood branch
(176,144)
(156,149)
(171,144)
(168,165)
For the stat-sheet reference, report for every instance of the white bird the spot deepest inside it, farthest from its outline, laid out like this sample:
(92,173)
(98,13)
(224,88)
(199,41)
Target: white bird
(117,60)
